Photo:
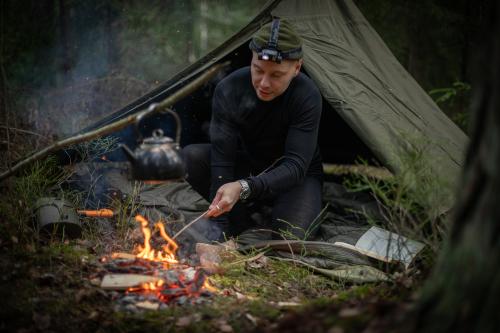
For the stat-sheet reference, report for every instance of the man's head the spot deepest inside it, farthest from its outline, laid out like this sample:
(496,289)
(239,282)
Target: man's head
(276,60)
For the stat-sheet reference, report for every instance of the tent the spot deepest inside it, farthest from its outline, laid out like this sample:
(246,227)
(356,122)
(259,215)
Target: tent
(373,108)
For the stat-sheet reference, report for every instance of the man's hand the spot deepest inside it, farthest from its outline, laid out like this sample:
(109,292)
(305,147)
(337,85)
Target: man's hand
(226,197)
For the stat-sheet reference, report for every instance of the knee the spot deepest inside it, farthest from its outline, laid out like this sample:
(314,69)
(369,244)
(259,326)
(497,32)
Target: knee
(195,154)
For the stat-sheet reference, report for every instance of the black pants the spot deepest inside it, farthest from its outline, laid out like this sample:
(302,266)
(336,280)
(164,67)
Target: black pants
(292,212)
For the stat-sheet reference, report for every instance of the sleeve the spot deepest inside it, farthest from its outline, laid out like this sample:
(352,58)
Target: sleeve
(224,141)
(300,146)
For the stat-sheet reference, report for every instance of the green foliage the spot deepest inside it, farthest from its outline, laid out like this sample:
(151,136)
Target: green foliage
(90,150)
(41,178)
(412,203)
(454,98)
(434,41)
(449,95)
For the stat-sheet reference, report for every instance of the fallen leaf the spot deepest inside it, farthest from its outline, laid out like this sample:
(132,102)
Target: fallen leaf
(95,281)
(42,322)
(224,326)
(349,312)
(148,305)
(230,245)
(336,329)
(93,315)
(47,279)
(183,321)
(187,320)
(242,297)
(251,318)
(259,261)
(81,294)
(286,304)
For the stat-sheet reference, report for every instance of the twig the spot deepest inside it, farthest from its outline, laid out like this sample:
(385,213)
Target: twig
(189,224)
(258,256)
(169,101)
(22,131)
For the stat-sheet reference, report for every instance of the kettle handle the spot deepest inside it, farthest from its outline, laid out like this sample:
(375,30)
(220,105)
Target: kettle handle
(153,106)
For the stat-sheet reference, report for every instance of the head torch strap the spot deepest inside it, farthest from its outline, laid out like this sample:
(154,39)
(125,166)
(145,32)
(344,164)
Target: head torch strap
(270,50)
(275,29)
(292,54)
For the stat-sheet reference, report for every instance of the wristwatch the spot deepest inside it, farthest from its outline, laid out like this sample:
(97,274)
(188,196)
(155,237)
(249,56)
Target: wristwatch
(245,189)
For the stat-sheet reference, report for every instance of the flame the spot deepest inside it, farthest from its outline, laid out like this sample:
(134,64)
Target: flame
(172,287)
(148,286)
(146,252)
(208,287)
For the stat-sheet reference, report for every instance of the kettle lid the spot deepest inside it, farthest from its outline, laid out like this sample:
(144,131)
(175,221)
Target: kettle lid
(158,138)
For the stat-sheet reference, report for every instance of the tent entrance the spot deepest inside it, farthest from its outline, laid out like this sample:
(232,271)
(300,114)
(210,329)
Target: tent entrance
(339,144)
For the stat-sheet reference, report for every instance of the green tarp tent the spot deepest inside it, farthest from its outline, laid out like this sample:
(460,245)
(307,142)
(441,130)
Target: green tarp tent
(358,76)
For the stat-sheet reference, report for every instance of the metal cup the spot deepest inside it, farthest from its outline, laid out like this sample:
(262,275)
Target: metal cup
(57,217)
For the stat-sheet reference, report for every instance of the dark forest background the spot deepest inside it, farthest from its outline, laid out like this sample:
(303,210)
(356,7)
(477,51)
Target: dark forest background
(65,64)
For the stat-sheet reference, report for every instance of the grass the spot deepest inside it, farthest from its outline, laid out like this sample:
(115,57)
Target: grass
(413,203)
(48,286)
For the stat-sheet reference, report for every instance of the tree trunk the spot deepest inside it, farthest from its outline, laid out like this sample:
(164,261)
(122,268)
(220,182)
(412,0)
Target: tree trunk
(112,50)
(417,41)
(464,291)
(65,64)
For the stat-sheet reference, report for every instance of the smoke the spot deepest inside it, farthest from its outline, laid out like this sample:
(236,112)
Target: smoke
(73,63)
(102,57)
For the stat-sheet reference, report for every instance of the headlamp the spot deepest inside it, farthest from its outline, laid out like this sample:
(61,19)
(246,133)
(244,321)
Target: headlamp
(271,52)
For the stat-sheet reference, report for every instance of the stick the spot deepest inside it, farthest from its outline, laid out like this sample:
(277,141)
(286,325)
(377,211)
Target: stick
(189,224)
(180,94)
(23,131)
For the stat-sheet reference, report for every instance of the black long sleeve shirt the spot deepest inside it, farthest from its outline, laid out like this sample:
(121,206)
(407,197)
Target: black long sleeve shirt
(284,129)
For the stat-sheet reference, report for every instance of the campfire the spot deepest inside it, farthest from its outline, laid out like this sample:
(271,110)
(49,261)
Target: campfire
(153,277)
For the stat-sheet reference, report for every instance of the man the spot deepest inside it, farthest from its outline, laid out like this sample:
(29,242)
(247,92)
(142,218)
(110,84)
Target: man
(264,130)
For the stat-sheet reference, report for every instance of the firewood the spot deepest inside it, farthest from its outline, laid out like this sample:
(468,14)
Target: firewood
(125,281)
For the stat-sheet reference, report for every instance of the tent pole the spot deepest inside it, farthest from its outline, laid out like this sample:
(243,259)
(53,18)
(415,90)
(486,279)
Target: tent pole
(169,101)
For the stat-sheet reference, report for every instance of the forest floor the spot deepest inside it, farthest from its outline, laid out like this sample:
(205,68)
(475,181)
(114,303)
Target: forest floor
(52,288)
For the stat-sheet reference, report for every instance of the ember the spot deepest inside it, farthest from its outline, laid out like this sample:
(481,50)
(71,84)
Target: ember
(155,274)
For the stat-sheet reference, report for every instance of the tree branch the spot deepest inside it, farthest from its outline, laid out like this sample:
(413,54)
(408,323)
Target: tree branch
(169,101)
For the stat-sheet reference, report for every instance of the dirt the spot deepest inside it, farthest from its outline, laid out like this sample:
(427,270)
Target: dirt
(50,287)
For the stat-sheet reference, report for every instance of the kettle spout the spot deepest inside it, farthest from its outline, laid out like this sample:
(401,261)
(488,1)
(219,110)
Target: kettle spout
(129,153)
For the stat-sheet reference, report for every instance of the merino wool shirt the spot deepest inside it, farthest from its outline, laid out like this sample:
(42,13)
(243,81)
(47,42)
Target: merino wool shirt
(283,131)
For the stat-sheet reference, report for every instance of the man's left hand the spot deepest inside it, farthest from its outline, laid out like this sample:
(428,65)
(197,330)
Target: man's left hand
(226,197)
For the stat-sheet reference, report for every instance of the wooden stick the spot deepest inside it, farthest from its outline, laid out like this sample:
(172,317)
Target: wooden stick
(23,131)
(189,224)
(169,101)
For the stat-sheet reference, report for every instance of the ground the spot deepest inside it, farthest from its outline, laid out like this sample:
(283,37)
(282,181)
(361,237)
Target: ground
(51,285)
(49,288)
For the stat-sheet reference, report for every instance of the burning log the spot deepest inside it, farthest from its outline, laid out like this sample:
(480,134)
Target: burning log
(162,278)
(125,281)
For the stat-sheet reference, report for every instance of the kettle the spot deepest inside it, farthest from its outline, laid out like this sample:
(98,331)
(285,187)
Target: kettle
(157,158)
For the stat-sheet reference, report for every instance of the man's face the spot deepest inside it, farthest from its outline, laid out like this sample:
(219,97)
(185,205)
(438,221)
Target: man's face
(271,79)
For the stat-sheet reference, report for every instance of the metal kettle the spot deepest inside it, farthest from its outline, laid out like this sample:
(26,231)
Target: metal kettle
(157,158)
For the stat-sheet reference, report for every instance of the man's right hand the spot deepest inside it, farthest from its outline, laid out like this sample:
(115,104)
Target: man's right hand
(226,197)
